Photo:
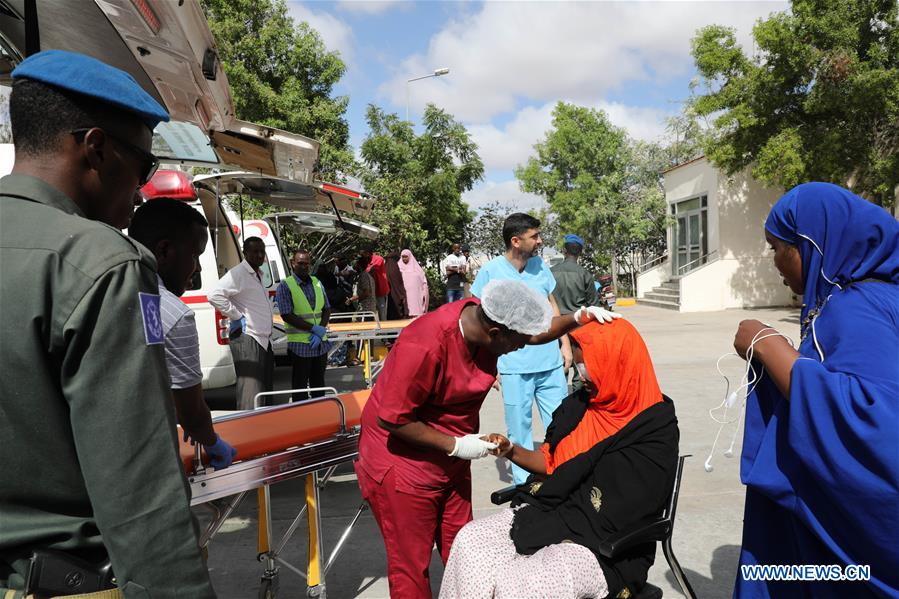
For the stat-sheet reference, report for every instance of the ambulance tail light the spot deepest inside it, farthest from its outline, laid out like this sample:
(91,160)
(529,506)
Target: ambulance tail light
(148,15)
(169,184)
(222,324)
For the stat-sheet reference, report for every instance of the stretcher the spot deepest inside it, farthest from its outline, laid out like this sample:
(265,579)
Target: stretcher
(362,328)
(308,438)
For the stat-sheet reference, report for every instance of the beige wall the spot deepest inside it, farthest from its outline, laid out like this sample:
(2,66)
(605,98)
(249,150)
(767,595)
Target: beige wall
(743,275)
(652,278)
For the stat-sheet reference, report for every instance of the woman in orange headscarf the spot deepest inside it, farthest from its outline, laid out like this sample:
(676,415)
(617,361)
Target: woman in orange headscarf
(608,461)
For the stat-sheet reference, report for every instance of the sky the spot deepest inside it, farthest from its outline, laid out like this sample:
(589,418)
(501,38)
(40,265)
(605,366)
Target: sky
(510,62)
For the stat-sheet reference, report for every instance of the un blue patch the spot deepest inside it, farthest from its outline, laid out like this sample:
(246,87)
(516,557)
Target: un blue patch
(149,307)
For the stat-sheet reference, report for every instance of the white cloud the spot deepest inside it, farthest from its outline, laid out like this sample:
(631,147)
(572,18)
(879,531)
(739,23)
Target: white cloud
(503,148)
(505,192)
(548,50)
(372,7)
(336,34)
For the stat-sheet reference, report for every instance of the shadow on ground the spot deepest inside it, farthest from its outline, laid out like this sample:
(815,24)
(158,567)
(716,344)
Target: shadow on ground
(723,569)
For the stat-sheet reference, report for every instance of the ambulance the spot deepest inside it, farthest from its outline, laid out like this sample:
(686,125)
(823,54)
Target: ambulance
(169,50)
(207,195)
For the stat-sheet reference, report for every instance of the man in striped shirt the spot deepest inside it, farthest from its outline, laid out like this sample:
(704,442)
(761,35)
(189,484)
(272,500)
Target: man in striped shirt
(177,235)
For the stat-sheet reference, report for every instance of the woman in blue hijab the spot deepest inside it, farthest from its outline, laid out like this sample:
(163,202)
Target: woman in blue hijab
(821,446)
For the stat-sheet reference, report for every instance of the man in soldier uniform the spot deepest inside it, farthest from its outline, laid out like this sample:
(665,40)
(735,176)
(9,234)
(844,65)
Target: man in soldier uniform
(87,424)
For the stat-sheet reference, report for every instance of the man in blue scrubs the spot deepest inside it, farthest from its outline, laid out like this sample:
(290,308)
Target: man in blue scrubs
(535,371)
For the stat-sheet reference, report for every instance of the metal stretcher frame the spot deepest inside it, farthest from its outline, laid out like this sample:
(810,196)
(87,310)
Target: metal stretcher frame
(364,328)
(316,461)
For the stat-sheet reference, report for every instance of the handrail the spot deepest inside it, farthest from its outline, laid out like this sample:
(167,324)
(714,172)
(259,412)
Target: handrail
(682,268)
(652,263)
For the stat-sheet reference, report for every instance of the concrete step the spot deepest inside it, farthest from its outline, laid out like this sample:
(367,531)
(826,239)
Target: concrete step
(671,285)
(659,304)
(667,291)
(661,297)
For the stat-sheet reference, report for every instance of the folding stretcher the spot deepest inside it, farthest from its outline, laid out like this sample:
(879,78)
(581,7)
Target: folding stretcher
(308,438)
(364,332)
(362,328)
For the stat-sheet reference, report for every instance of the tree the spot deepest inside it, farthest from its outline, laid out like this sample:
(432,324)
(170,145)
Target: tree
(686,134)
(550,231)
(282,75)
(418,180)
(599,184)
(485,232)
(818,101)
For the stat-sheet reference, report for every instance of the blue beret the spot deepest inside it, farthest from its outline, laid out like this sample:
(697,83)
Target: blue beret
(89,77)
(572,238)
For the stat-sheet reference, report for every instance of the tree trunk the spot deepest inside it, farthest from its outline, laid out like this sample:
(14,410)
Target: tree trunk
(615,274)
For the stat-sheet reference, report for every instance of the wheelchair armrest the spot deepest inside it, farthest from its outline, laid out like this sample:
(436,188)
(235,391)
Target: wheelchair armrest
(646,531)
(503,495)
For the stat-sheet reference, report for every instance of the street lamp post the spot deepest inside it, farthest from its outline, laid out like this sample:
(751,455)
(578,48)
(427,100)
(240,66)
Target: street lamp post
(436,73)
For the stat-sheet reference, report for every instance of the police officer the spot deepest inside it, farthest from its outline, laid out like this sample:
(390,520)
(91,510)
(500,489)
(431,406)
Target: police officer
(87,432)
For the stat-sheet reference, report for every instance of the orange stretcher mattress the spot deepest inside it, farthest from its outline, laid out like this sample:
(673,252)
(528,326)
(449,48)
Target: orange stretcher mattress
(261,432)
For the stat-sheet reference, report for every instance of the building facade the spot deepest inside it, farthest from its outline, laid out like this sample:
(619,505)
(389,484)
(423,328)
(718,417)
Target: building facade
(717,256)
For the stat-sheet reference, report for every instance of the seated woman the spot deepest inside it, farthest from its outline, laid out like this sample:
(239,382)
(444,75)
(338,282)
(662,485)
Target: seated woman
(820,451)
(608,461)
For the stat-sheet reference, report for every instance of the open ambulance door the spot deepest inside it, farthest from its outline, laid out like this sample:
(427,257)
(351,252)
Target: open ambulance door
(169,50)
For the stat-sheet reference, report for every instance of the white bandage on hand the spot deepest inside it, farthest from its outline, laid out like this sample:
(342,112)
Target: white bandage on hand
(587,313)
(471,447)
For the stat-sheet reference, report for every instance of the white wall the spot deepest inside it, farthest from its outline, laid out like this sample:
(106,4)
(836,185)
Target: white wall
(720,285)
(652,278)
(743,275)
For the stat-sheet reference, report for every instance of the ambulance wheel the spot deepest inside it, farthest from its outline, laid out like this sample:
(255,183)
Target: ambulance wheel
(265,589)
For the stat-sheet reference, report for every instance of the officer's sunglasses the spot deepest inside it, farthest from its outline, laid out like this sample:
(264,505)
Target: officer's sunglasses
(149,162)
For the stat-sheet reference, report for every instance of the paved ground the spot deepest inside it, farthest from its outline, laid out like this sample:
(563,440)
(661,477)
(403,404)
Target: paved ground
(684,348)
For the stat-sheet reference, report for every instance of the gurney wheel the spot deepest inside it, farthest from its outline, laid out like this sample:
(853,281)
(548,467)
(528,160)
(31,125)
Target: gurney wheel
(266,590)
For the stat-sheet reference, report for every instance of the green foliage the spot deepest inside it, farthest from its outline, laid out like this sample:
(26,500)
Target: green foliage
(485,232)
(550,233)
(599,184)
(282,75)
(419,180)
(686,135)
(819,100)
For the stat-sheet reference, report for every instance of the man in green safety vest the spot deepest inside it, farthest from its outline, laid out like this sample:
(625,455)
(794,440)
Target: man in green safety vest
(305,310)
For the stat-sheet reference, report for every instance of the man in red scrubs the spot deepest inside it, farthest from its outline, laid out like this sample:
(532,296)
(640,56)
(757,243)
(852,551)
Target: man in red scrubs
(420,425)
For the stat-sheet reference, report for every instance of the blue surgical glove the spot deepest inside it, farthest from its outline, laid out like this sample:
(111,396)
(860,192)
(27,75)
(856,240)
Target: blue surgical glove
(238,325)
(220,453)
(314,341)
(319,331)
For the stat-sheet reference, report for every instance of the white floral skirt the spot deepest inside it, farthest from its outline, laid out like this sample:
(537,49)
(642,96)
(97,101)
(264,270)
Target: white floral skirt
(483,564)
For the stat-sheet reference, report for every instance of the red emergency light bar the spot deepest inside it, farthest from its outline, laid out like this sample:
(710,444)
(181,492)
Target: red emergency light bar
(341,190)
(169,184)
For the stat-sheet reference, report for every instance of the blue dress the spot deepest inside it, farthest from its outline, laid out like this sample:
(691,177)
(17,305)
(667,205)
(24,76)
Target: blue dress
(821,468)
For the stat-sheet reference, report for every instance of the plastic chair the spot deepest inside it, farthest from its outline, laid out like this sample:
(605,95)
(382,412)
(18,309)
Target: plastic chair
(657,529)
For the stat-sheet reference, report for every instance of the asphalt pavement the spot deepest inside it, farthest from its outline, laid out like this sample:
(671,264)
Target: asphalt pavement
(707,532)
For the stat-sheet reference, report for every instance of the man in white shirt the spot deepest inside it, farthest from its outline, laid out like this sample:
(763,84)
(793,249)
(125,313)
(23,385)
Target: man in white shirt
(241,297)
(454,268)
